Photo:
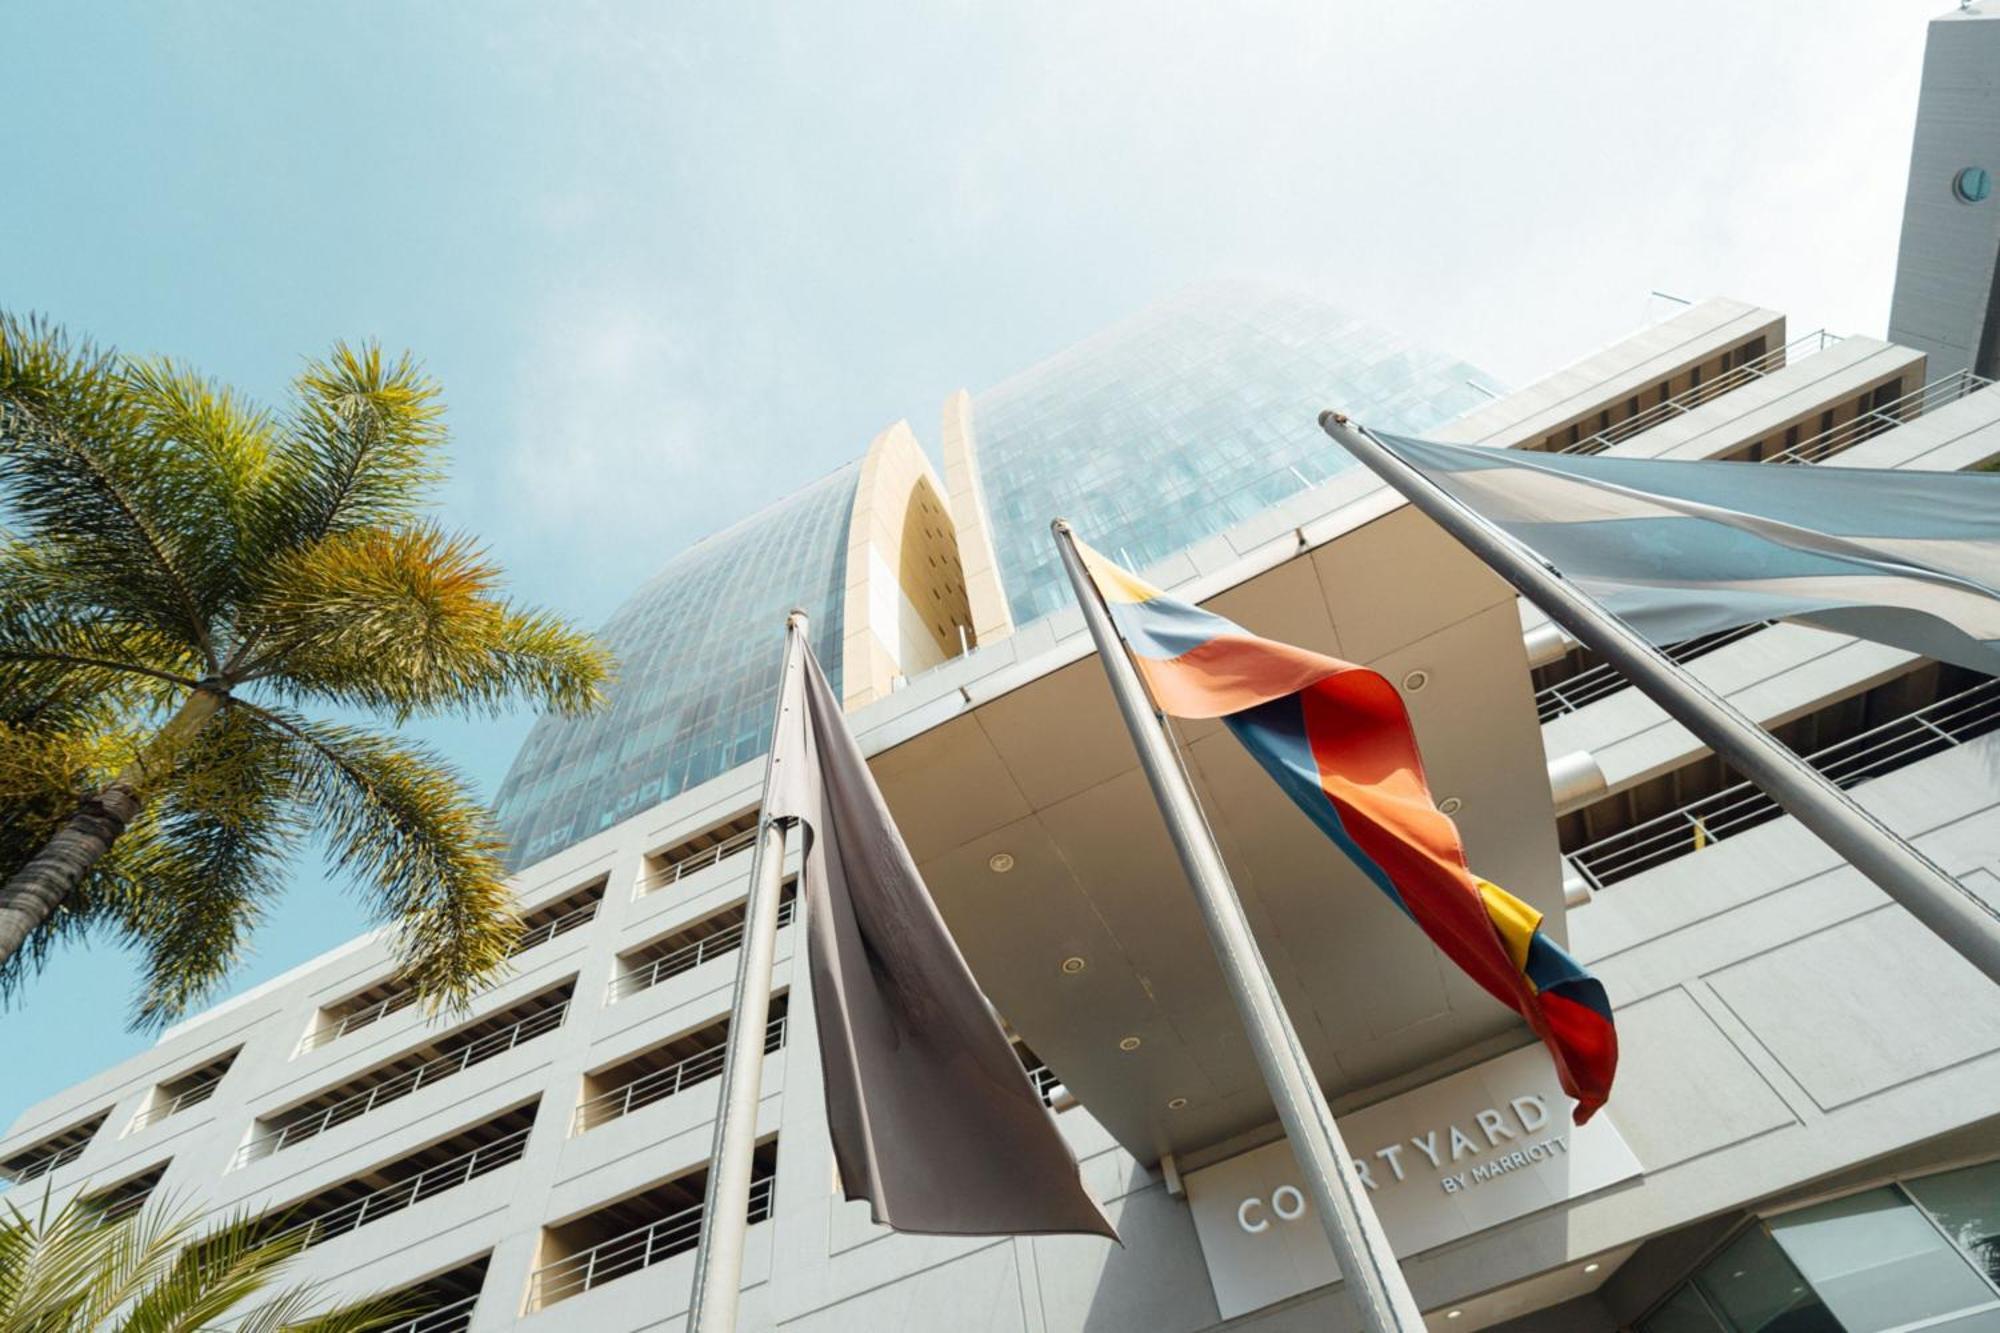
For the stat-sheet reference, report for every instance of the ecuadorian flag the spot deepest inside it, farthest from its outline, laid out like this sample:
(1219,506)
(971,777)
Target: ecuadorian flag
(1336,737)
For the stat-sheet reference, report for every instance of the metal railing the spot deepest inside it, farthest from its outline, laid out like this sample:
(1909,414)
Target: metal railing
(1054,1093)
(548,930)
(637,1249)
(1594,683)
(41,1166)
(686,958)
(664,1083)
(1566,696)
(701,860)
(453,1318)
(394,1089)
(1896,412)
(1690,398)
(160,1110)
(447,1175)
(1929,730)
(403,999)
(117,1210)
(357,1020)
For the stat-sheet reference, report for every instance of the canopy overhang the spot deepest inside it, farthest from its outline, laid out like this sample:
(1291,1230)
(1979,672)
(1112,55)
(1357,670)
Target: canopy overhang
(1040,840)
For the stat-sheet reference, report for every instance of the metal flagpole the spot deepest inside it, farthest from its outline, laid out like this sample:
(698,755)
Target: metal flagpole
(1940,902)
(725,1214)
(1374,1279)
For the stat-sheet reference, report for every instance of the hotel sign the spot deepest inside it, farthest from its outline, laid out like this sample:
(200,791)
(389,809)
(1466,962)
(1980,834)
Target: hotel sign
(1443,1161)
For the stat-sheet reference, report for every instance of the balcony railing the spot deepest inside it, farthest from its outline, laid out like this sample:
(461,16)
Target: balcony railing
(447,1175)
(1594,683)
(1054,1093)
(453,1318)
(664,1083)
(124,1206)
(1894,744)
(403,999)
(53,1161)
(648,1245)
(357,1020)
(701,860)
(1838,439)
(1688,399)
(686,958)
(548,930)
(353,1108)
(181,1101)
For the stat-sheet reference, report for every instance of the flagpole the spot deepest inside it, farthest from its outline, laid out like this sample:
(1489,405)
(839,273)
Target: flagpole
(1937,900)
(725,1214)
(1374,1279)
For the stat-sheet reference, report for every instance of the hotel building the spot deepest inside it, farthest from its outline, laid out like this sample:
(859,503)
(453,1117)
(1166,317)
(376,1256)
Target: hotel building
(1805,1132)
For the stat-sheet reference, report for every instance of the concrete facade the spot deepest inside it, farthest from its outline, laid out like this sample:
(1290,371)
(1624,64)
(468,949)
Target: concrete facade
(1949,260)
(1787,1032)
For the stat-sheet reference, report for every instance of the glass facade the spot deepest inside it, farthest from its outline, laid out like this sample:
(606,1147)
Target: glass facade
(1184,420)
(1918,1254)
(1163,430)
(698,651)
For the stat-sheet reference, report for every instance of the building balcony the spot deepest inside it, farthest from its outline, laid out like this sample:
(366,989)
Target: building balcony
(472,1044)
(127,1197)
(688,948)
(368,1007)
(187,1090)
(1728,378)
(666,869)
(1912,735)
(635,1233)
(444,1303)
(52,1153)
(665,1071)
(409,1180)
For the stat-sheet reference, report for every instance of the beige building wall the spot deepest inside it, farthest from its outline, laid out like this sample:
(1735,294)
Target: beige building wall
(906,607)
(990,618)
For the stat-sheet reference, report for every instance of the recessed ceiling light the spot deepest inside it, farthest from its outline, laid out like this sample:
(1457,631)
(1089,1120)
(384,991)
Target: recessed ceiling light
(1592,1268)
(1072,966)
(1176,1103)
(1416,680)
(1128,1044)
(1453,1314)
(1000,862)
(1450,805)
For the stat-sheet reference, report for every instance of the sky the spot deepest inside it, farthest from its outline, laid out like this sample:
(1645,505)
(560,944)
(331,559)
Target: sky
(671,262)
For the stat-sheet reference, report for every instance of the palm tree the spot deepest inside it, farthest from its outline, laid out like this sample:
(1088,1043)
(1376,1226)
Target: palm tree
(72,1271)
(182,576)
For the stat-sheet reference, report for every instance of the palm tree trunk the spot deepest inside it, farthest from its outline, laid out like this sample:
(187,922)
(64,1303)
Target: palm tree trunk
(38,888)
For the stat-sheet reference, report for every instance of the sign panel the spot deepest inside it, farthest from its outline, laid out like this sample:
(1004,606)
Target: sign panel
(1465,1153)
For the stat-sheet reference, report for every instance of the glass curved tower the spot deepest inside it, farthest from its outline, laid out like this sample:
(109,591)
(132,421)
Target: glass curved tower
(1183,421)
(697,673)
(1163,430)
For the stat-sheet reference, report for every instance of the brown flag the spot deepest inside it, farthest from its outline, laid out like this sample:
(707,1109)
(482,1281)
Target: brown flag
(933,1119)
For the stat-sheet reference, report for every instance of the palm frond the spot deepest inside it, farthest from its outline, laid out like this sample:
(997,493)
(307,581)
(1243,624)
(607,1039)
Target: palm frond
(223,444)
(162,1270)
(46,650)
(223,835)
(411,620)
(208,1278)
(398,821)
(81,475)
(70,1270)
(364,447)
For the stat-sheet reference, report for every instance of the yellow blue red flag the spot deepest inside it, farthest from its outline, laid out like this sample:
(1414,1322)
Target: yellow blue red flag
(1337,739)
